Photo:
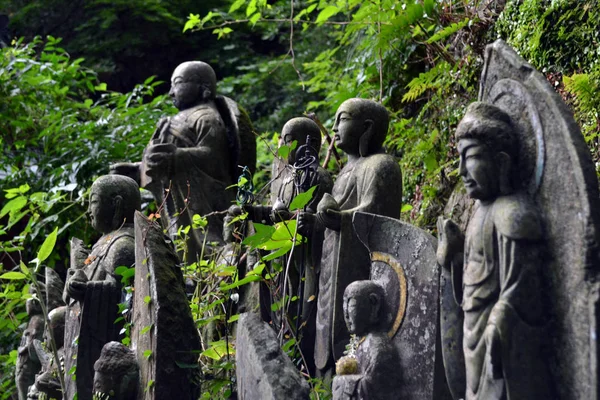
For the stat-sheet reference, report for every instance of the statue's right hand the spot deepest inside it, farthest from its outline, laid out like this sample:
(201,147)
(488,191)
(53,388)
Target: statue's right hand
(306,223)
(76,289)
(450,241)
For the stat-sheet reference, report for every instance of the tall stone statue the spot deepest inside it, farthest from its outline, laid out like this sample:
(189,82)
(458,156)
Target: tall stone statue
(193,156)
(539,233)
(371,181)
(28,364)
(498,286)
(298,173)
(92,291)
(378,365)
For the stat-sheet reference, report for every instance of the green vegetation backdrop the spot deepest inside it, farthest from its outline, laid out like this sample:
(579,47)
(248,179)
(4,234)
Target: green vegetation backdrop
(84,87)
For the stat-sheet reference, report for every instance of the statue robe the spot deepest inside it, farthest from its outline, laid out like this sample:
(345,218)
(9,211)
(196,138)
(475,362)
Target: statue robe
(204,165)
(501,292)
(91,324)
(370,184)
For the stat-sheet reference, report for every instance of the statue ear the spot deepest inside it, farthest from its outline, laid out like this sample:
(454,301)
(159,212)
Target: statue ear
(206,93)
(118,216)
(365,139)
(505,170)
(375,307)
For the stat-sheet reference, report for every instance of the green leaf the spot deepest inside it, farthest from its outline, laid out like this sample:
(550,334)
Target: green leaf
(147,299)
(145,330)
(14,275)
(47,246)
(406,208)
(302,199)
(447,31)
(148,354)
(279,253)
(284,150)
(233,318)
(192,22)
(247,279)
(125,273)
(327,13)
(236,5)
(101,87)
(262,235)
(24,268)
(13,206)
(251,8)
(218,350)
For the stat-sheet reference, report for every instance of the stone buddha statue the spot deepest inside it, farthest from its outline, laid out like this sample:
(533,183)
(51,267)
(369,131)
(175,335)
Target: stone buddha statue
(193,157)
(495,269)
(371,181)
(92,291)
(377,362)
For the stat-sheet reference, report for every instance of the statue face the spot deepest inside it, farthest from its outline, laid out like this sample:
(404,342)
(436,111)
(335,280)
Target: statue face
(184,93)
(356,313)
(289,137)
(348,129)
(100,211)
(478,169)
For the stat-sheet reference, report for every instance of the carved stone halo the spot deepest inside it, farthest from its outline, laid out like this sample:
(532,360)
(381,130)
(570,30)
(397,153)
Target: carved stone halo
(387,271)
(516,100)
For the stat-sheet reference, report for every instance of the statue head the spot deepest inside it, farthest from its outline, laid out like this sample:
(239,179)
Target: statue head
(56,318)
(488,151)
(193,82)
(116,372)
(364,307)
(360,126)
(298,129)
(113,201)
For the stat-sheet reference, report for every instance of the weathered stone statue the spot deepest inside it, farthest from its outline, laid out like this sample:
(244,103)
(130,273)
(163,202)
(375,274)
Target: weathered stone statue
(371,181)
(499,285)
(116,373)
(193,156)
(290,177)
(28,363)
(48,381)
(92,291)
(379,371)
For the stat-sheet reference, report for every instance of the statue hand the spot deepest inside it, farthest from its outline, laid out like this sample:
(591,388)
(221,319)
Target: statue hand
(451,241)
(331,218)
(493,352)
(281,214)
(76,289)
(158,158)
(306,223)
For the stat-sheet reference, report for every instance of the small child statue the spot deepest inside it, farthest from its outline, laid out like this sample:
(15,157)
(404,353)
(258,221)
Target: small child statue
(378,364)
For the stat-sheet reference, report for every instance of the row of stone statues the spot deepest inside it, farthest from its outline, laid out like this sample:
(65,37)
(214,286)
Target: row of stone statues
(506,310)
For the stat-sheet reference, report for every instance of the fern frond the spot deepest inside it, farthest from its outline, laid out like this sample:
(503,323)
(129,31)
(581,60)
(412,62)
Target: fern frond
(449,30)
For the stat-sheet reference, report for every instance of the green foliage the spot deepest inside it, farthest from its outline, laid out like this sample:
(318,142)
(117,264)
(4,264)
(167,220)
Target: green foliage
(60,129)
(561,39)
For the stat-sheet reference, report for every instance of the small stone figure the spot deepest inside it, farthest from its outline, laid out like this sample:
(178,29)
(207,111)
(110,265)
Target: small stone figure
(117,373)
(48,381)
(371,182)
(378,364)
(499,285)
(195,155)
(28,363)
(92,290)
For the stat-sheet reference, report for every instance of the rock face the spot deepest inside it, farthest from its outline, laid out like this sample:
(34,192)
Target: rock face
(403,261)
(164,336)
(263,370)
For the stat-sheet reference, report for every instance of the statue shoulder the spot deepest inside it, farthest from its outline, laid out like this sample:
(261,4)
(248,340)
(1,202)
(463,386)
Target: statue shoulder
(381,161)
(205,113)
(324,177)
(516,216)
